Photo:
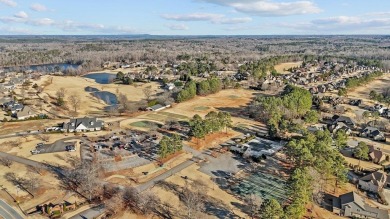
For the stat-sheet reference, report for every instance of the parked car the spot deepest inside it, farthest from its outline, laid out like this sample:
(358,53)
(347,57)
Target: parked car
(70,148)
(35,152)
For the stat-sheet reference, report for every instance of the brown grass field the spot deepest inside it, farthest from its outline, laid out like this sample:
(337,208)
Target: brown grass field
(77,85)
(282,68)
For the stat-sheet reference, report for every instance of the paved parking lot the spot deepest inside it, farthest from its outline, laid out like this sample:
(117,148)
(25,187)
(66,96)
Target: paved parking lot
(57,146)
(131,148)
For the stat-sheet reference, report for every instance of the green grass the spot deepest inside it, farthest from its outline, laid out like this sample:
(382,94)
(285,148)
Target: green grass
(174,116)
(201,108)
(157,117)
(144,124)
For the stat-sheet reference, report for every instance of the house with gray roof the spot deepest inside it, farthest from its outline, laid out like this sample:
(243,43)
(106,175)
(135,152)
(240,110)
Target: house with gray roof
(82,125)
(353,205)
(374,182)
(25,113)
(157,107)
(373,133)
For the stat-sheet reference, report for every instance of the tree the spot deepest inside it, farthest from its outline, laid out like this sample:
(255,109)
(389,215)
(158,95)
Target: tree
(312,117)
(124,102)
(148,92)
(193,196)
(197,127)
(225,120)
(253,203)
(74,101)
(296,99)
(170,145)
(164,147)
(340,139)
(60,96)
(271,209)
(361,151)
(6,162)
(120,76)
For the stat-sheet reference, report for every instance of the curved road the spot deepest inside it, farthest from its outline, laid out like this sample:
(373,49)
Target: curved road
(8,212)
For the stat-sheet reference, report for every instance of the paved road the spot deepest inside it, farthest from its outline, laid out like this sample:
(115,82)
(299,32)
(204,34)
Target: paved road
(165,175)
(20,134)
(8,212)
(32,163)
(90,213)
(196,156)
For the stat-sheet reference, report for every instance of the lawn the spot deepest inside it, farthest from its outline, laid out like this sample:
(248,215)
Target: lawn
(201,108)
(145,124)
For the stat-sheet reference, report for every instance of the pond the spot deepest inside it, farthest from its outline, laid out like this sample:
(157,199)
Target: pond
(108,97)
(46,67)
(101,78)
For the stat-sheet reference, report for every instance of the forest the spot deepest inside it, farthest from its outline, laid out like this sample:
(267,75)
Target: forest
(201,53)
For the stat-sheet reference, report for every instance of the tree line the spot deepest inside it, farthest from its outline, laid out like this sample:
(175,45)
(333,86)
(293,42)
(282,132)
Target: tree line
(202,88)
(170,145)
(278,112)
(213,122)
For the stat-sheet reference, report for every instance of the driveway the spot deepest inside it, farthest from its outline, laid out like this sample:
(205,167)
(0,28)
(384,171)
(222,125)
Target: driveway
(90,213)
(8,212)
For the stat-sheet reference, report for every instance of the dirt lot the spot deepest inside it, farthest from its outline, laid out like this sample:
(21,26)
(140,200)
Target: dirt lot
(282,68)
(88,102)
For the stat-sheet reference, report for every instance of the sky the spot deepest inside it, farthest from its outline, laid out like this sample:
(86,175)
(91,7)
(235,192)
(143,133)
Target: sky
(194,17)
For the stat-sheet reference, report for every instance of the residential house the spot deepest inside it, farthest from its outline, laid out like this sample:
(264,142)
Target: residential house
(376,155)
(373,133)
(334,128)
(344,119)
(12,106)
(353,205)
(374,182)
(25,113)
(82,125)
(157,107)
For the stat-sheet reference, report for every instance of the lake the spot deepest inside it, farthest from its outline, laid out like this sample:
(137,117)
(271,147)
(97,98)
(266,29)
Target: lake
(45,67)
(101,78)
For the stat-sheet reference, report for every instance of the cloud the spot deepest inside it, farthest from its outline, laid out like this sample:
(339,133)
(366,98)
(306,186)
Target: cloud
(239,20)
(38,7)
(177,27)
(213,18)
(10,3)
(342,24)
(269,8)
(193,17)
(21,14)
(41,22)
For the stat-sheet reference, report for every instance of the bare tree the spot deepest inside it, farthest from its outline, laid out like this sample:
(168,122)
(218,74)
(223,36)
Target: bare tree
(6,162)
(115,204)
(84,180)
(254,204)
(60,94)
(74,101)
(193,196)
(148,92)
